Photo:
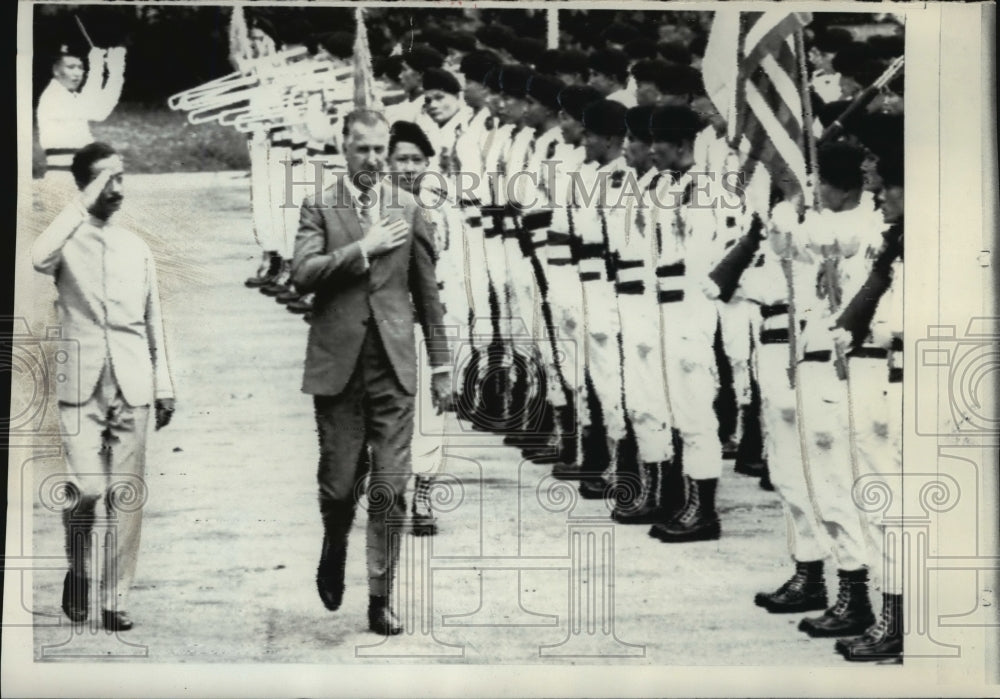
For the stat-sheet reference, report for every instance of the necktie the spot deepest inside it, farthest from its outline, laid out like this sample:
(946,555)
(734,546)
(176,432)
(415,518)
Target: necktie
(365,210)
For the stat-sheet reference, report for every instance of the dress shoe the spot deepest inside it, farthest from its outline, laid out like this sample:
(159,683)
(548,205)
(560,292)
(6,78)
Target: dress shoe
(337,519)
(116,621)
(76,597)
(850,615)
(805,591)
(381,619)
(270,267)
(881,642)
(698,520)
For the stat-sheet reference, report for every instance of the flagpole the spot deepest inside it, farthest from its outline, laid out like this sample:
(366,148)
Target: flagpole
(807,118)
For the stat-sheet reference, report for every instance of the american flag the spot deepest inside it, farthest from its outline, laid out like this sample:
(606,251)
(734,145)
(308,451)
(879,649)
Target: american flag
(753,74)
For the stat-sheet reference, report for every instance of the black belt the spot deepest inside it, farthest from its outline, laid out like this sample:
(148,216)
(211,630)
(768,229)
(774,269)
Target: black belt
(560,262)
(536,220)
(671,296)
(465,203)
(589,276)
(869,353)
(60,168)
(60,151)
(895,375)
(897,344)
(621,264)
(491,210)
(590,251)
(775,336)
(817,356)
(674,270)
(282,143)
(474,221)
(492,232)
(633,287)
(556,238)
(772,310)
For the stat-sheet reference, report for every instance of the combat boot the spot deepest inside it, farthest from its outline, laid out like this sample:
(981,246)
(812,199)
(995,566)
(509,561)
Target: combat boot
(805,591)
(422,520)
(850,615)
(698,520)
(302,305)
(643,508)
(883,641)
(270,267)
(280,283)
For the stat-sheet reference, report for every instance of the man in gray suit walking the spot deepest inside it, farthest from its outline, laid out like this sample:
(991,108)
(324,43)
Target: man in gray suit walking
(365,249)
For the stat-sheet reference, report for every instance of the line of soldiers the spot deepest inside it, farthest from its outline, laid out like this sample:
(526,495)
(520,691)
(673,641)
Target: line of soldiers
(603,259)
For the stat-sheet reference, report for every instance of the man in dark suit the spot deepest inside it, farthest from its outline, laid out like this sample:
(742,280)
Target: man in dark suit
(366,252)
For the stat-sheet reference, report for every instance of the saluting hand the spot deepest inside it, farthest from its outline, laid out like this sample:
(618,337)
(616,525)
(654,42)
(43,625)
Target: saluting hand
(384,236)
(92,192)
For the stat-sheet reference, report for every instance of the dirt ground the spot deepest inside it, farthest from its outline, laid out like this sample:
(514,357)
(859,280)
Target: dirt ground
(232,533)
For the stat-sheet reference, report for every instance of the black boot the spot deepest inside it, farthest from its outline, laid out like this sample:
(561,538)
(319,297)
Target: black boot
(281,283)
(337,518)
(288,295)
(882,641)
(270,267)
(698,520)
(76,597)
(78,525)
(850,615)
(381,619)
(422,520)
(643,509)
(750,452)
(302,305)
(805,591)
(570,467)
(765,479)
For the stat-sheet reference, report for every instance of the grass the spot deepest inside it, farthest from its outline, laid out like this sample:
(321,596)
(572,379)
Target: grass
(156,139)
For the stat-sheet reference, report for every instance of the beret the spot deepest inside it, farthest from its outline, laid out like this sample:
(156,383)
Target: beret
(619,33)
(408,132)
(674,124)
(440,79)
(680,80)
(69,47)
(609,62)
(571,61)
(461,40)
(605,118)
(890,168)
(435,38)
(514,80)
(388,66)
(495,36)
(831,40)
(675,52)
(548,60)
(886,47)
(476,64)
(650,70)
(339,44)
(880,133)
(527,50)
(421,57)
(491,80)
(640,48)
(857,60)
(575,98)
(545,89)
(698,45)
(637,121)
(840,165)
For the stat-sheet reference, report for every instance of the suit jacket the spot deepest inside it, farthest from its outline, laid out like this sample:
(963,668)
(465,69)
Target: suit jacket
(109,307)
(351,295)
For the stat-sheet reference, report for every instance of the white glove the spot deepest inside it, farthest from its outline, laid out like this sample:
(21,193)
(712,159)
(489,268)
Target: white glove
(95,60)
(116,56)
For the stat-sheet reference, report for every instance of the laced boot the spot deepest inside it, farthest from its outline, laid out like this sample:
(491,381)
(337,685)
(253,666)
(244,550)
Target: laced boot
(698,520)
(805,591)
(883,640)
(642,509)
(267,272)
(850,615)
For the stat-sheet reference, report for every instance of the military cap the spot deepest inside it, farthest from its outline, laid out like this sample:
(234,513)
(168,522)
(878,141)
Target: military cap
(546,89)
(338,44)
(435,38)
(491,80)
(856,60)
(886,47)
(698,45)
(514,80)
(637,121)
(650,70)
(388,66)
(890,167)
(422,57)
(77,49)
(495,36)
(527,50)
(605,118)
(575,98)
(675,52)
(640,48)
(548,60)
(831,40)
(680,80)
(461,41)
(441,79)
(674,124)
(840,165)
(572,62)
(408,132)
(476,64)
(880,133)
(619,33)
(610,62)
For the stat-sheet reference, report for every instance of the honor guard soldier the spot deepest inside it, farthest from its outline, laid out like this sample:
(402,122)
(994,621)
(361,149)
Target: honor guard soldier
(685,228)
(416,62)
(445,116)
(604,125)
(75,97)
(565,290)
(645,388)
(884,639)
(840,241)
(609,75)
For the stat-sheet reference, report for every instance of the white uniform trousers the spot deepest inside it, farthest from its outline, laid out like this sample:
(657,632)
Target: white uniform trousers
(430,430)
(807,540)
(687,329)
(566,303)
(602,352)
(496,267)
(735,326)
(643,377)
(826,419)
(276,188)
(477,280)
(876,454)
(260,193)
(105,443)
